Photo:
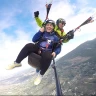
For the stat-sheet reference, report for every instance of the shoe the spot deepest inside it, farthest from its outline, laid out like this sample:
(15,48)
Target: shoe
(13,65)
(37,70)
(38,79)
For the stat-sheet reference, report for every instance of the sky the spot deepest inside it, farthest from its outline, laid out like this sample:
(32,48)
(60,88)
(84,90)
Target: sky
(17,26)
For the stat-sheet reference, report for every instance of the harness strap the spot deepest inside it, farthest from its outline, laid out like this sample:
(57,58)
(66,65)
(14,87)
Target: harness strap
(44,49)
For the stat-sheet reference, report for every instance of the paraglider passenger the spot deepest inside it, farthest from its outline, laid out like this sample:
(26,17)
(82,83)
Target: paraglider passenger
(45,38)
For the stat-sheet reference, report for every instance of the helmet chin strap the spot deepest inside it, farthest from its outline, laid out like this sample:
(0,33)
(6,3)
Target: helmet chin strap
(60,28)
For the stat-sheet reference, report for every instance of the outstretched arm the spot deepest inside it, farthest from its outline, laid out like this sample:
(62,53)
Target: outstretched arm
(69,35)
(38,20)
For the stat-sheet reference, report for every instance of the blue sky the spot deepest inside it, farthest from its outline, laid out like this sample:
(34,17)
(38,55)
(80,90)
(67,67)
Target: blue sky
(17,25)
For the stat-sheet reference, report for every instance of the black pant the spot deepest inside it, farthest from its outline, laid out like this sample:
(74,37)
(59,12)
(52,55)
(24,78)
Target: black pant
(46,56)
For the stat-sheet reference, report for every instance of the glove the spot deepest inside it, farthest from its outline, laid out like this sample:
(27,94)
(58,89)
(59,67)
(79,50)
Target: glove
(36,14)
(43,24)
(70,34)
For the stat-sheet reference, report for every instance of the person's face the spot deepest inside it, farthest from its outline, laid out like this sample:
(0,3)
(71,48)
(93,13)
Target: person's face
(61,25)
(49,27)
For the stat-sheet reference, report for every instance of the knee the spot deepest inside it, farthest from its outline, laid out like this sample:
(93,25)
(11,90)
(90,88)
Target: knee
(48,57)
(28,45)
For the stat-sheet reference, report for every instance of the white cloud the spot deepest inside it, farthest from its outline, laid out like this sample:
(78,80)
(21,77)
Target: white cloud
(61,10)
(10,48)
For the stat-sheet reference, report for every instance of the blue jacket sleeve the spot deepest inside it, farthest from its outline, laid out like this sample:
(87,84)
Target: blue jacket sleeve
(37,36)
(57,50)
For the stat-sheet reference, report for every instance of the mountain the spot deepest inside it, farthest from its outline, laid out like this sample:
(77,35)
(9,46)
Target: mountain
(76,71)
(78,68)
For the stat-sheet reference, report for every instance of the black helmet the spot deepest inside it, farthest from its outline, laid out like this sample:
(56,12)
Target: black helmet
(50,21)
(60,20)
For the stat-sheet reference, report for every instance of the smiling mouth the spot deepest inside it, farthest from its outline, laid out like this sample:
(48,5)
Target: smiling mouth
(49,29)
